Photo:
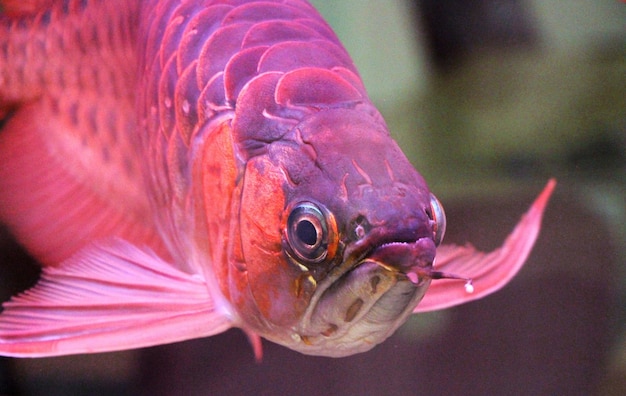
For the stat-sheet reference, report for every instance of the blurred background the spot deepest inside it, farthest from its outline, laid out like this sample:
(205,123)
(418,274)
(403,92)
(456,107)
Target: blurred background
(488,99)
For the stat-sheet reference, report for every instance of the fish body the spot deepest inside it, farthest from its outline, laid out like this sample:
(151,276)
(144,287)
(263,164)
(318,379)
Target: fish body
(184,167)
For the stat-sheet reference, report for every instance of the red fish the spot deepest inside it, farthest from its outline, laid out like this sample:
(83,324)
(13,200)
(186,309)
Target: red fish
(183,167)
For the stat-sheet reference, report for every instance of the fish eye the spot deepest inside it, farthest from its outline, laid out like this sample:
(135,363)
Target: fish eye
(308,232)
(438,218)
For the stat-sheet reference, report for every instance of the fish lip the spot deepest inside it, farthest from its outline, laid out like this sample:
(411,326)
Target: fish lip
(413,259)
(398,295)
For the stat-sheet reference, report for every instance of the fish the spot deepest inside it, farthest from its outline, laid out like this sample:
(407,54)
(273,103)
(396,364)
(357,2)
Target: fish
(180,168)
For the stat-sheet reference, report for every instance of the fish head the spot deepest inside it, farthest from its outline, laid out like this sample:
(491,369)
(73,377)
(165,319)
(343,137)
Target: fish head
(338,234)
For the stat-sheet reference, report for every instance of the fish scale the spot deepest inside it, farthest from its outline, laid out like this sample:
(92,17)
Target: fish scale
(224,26)
(50,49)
(228,29)
(184,167)
(71,84)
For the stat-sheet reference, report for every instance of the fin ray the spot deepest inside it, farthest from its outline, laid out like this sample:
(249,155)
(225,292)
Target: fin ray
(109,296)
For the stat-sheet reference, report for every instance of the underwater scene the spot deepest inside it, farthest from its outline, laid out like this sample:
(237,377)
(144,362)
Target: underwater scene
(488,100)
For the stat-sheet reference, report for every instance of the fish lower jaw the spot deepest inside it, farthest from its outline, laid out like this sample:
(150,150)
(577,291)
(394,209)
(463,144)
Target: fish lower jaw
(358,312)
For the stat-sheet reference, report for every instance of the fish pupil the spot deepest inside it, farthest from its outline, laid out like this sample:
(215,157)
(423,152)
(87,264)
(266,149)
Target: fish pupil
(307,232)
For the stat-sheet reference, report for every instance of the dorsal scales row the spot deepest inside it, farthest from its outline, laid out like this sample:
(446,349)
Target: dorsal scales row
(191,83)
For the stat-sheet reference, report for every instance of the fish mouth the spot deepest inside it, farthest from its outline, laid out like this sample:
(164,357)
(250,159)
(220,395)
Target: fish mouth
(365,304)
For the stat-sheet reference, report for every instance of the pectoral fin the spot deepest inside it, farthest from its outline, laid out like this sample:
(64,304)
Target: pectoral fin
(489,271)
(108,297)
